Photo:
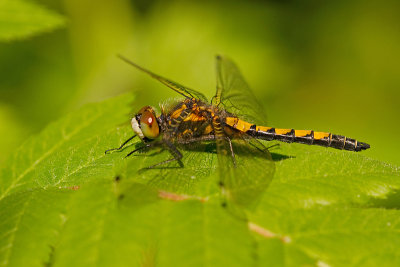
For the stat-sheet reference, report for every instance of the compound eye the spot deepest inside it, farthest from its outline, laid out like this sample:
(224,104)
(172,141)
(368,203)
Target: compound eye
(149,125)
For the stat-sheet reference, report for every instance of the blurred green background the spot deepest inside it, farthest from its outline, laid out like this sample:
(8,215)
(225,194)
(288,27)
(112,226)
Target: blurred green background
(328,66)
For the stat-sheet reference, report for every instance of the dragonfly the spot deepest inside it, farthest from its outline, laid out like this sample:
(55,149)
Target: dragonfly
(234,120)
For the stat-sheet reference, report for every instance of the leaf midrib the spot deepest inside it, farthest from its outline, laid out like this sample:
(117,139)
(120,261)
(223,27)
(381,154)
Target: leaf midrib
(15,229)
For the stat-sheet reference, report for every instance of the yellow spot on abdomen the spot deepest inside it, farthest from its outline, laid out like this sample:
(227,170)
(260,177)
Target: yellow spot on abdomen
(231,121)
(301,133)
(243,126)
(263,128)
(282,131)
(320,135)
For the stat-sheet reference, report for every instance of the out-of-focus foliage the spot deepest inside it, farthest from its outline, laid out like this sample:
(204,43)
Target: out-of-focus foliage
(22,19)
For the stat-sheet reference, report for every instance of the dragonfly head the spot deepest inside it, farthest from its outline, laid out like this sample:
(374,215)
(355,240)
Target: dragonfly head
(145,124)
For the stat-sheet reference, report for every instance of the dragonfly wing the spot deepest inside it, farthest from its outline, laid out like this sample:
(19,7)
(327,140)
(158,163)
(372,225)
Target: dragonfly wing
(243,180)
(243,183)
(180,89)
(234,94)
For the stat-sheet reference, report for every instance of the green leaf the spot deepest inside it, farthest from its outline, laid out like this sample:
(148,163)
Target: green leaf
(63,202)
(43,172)
(332,208)
(69,151)
(29,223)
(119,231)
(22,19)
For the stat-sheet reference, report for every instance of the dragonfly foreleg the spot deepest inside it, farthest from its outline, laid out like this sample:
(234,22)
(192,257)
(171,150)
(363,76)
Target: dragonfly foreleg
(119,148)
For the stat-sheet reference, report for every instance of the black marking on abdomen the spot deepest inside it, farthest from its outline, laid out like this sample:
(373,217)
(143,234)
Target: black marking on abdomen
(288,137)
(326,141)
(308,139)
(331,140)
(337,141)
(350,144)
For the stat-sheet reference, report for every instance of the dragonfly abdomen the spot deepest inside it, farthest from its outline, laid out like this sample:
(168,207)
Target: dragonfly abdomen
(296,136)
(307,137)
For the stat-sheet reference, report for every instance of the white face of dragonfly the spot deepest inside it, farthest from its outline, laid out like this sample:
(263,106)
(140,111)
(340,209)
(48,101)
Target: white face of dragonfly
(136,128)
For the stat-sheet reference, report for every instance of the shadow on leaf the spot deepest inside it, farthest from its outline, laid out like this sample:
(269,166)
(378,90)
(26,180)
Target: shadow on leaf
(280,157)
(392,201)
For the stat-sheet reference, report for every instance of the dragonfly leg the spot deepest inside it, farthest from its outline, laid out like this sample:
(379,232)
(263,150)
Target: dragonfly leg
(140,148)
(175,153)
(232,153)
(119,148)
(165,162)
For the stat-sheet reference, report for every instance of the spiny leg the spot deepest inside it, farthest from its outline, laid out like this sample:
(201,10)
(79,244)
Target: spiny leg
(165,162)
(123,144)
(140,148)
(232,153)
(175,153)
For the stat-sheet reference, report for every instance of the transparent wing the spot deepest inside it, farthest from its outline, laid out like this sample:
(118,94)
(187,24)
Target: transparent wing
(243,180)
(242,185)
(180,89)
(234,95)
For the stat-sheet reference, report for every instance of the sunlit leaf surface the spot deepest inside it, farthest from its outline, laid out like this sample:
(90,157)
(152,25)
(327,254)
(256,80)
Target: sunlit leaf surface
(21,19)
(65,203)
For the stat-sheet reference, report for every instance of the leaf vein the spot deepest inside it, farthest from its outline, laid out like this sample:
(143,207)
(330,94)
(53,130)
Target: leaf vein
(46,154)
